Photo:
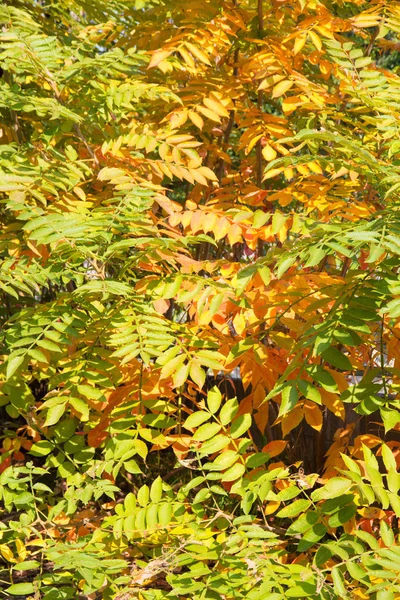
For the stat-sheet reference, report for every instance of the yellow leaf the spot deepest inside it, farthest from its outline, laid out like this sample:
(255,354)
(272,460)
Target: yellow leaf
(303,169)
(158,57)
(209,114)
(290,104)
(315,167)
(269,153)
(271,507)
(316,40)
(37,542)
(196,119)
(178,119)
(235,234)
(177,139)
(80,193)
(273,173)
(281,88)
(198,53)
(197,373)
(289,173)
(207,173)
(299,43)
(6,553)
(239,323)
(21,550)
(221,228)
(197,176)
(187,57)
(216,107)
(253,142)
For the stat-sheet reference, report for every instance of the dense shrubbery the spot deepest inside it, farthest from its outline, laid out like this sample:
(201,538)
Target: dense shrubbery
(201,299)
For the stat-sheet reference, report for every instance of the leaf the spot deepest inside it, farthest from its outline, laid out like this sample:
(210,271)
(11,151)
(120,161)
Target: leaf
(290,398)
(214,398)
(281,88)
(339,582)
(206,431)
(216,107)
(19,589)
(234,472)
(158,57)
(299,42)
(335,487)
(42,448)
(197,53)
(294,508)
(337,359)
(26,565)
(240,425)
(196,418)
(197,373)
(228,411)
(14,362)
(313,415)
(132,467)
(156,490)
(54,414)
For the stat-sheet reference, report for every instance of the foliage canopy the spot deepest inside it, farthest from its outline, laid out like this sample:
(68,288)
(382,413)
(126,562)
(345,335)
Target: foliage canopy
(200,252)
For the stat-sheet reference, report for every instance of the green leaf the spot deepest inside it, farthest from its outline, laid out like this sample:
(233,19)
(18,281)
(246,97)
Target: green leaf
(132,467)
(19,589)
(54,414)
(214,399)
(337,359)
(309,391)
(290,397)
(13,363)
(344,515)
(26,565)
(217,443)
(356,571)
(156,490)
(385,595)
(234,472)
(228,411)
(240,425)
(294,508)
(390,418)
(334,488)
(206,431)
(197,418)
(339,583)
(324,378)
(80,406)
(284,265)
(386,534)
(42,448)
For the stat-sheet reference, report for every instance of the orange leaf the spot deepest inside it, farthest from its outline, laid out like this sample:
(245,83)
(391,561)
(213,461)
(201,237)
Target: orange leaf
(275,448)
(332,402)
(313,415)
(292,419)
